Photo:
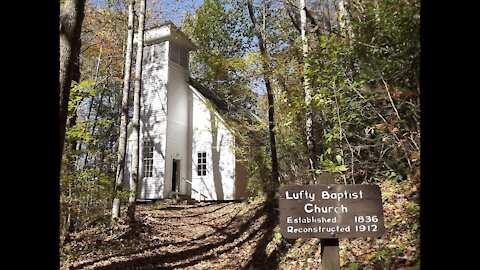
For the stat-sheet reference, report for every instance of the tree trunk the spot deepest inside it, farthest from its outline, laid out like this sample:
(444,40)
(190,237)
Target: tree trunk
(122,140)
(71,18)
(70,162)
(134,175)
(344,19)
(328,19)
(312,157)
(271,119)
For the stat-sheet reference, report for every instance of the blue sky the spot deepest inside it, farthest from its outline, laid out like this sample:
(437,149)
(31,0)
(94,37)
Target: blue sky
(172,10)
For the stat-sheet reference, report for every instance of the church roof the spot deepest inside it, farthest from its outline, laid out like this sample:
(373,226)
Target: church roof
(211,95)
(221,104)
(166,31)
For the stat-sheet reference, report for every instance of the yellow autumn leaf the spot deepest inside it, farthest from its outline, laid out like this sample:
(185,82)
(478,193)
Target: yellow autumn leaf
(380,126)
(415,156)
(369,256)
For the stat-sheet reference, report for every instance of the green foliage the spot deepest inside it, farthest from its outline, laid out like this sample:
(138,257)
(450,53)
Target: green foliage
(299,241)
(89,161)
(330,166)
(277,237)
(258,171)
(352,266)
(365,100)
(392,29)
(359,86)
(413,207)
(80,131)
(78,92)
(219,61)
(223,62)
(84,195)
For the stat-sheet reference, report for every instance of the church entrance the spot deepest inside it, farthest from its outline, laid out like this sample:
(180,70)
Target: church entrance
(176,175)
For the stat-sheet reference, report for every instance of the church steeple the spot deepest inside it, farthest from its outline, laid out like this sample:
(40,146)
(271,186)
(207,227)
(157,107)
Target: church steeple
(179,45)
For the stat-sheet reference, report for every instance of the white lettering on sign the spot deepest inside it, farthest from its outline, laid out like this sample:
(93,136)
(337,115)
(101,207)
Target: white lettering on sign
(331,211)
(326,195)
(313,208)
(366,228)
(302,194)
(312,219)
(366,219)
(319,229)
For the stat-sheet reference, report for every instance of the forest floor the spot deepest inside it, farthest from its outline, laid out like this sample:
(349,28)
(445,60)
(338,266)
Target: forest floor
(241,235)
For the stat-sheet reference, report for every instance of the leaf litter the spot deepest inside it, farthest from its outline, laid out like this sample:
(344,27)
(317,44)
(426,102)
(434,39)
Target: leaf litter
(241,235)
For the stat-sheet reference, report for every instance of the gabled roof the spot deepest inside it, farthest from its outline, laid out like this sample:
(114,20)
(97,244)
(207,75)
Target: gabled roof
(163,32)
(219,102)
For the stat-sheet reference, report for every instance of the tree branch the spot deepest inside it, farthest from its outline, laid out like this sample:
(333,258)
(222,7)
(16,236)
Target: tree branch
(292,19)
(313,22)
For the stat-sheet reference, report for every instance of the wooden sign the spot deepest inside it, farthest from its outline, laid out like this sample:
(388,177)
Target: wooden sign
(331,211)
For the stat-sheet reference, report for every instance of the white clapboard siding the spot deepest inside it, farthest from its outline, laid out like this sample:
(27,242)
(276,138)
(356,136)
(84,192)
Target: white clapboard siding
(153,120)
(180,123)
(211,136)
(226,146)
(177,125)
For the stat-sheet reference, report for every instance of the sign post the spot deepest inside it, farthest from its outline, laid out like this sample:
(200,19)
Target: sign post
(329,248)
(329,212)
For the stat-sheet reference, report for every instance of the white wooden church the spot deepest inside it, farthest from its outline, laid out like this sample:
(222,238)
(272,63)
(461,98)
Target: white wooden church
(185,145)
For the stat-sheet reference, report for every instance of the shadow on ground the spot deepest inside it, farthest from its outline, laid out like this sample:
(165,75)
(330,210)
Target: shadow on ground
(214,236)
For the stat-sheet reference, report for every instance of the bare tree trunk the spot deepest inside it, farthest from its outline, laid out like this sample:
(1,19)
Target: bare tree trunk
(328,19)
(122,140)
(344,19)
(312,157)
(70,163)
(134,174)
(271,120)
(71,18)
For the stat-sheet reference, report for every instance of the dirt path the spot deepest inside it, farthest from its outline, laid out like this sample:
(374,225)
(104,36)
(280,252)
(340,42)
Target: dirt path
(202,236)
(242,236)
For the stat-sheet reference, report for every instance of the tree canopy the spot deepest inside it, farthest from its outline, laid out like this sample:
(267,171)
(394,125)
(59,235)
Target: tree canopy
(362,73)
